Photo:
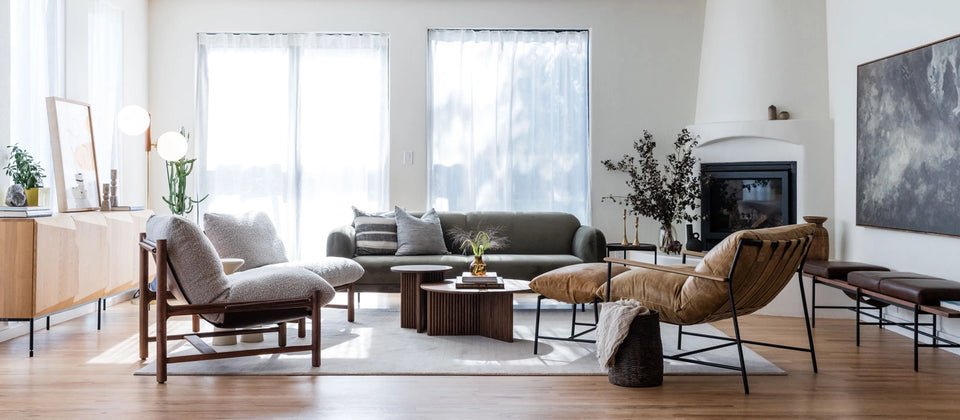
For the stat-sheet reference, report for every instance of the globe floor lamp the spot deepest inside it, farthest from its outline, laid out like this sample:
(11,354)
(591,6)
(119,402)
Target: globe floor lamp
(133,120)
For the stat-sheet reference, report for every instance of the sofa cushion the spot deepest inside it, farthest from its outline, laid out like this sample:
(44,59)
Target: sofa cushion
(529,232)
(576,283)
(335,270)
(419,236)
(251,237)
(376,233)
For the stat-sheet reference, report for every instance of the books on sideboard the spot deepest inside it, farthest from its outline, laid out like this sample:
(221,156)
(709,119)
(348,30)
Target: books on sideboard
(23,212)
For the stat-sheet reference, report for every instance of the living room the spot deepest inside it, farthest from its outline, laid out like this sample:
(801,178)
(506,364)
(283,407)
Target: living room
(712,66)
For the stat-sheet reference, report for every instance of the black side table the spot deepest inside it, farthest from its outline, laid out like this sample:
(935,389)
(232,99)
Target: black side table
(616,246)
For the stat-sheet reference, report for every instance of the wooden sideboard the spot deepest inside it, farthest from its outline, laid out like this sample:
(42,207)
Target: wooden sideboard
(49,264)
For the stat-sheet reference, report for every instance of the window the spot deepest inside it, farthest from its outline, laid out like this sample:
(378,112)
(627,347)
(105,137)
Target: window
(36,72)
(509,121)
(295,125)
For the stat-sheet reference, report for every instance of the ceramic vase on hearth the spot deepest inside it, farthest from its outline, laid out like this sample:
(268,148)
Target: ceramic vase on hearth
(820,247)
(693,240)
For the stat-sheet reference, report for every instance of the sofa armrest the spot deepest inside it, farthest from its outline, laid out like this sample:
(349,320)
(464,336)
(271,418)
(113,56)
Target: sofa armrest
(589,244)
(342,242)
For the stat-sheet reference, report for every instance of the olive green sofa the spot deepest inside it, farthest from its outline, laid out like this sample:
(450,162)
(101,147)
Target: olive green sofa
(537,242)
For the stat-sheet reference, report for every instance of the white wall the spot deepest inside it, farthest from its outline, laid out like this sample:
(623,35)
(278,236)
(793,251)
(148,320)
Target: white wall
(860,31)
(4,87)
(758,53)
(644,57)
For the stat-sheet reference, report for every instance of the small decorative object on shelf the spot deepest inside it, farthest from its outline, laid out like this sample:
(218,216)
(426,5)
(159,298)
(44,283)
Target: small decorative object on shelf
(668,194)
(820,247)
(772,112)
(479,243)
(783,115)
(106,203)
(636,232)
(16,196)
(624,242)
(693,239)
(113,188)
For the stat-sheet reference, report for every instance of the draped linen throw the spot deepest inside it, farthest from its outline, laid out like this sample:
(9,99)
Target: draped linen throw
(613,326)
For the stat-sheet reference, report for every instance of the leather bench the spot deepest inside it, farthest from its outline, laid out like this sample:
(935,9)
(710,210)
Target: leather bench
(834,274)
(918,292)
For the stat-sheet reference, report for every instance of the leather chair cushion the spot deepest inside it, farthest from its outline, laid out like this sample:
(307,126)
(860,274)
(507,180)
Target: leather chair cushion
(576,283)
(680,299)
(837,270)
(922,291)
(871,280)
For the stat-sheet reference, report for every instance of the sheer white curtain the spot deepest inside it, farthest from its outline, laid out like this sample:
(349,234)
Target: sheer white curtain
(36,72)
(105,81)
(295,125)
(509,121)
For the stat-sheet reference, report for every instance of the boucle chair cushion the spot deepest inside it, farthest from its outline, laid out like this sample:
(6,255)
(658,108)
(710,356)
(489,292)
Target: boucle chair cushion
(422,236)
(251,237)
(195,272)
(335,270)
(574,283)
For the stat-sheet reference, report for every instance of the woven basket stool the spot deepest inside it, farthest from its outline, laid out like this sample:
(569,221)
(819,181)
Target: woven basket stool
(639,359)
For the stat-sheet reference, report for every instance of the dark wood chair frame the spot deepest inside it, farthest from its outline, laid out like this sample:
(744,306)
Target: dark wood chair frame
(737,340)
(165,311)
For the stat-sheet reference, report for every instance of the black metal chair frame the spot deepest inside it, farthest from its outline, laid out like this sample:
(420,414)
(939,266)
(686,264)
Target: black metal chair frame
(737,340)
(574,335)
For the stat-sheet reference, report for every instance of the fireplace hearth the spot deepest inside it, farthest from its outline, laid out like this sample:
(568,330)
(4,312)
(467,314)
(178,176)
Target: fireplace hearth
(746,195)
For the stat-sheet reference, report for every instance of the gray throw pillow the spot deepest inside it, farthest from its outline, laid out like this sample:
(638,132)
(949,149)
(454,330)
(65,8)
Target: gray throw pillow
(422,236)
(251,237)
(376,232)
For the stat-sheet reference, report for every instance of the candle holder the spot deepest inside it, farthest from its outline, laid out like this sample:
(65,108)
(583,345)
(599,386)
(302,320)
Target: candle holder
(624,242)
(636,232)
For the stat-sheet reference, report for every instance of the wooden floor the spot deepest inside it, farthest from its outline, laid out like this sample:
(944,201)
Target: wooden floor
(81,373)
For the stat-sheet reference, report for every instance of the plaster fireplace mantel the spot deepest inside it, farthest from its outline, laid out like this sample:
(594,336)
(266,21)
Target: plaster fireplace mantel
(800,132)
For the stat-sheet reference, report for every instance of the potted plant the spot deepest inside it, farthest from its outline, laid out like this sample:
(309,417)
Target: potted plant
(479,243)
(664,194)
(177,172)
(25,172)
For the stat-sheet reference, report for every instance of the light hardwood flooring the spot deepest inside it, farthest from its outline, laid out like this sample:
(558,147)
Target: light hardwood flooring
(79,372)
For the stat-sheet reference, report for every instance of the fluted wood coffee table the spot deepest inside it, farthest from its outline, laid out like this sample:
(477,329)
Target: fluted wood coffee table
(486,312)
(412,300)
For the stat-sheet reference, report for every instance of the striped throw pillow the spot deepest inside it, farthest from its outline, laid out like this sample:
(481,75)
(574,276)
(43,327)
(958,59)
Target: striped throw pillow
(376,232)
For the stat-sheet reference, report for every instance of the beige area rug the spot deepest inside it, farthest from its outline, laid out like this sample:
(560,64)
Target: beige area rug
(376,345)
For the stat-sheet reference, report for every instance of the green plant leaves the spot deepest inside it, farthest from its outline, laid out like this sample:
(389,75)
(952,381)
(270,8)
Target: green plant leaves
(22,169)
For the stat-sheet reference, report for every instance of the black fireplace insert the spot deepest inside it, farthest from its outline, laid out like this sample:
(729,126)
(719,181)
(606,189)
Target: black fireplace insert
(746,195)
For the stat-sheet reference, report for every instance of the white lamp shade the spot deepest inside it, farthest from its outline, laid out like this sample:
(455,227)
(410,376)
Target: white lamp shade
(133,120)
(172,146)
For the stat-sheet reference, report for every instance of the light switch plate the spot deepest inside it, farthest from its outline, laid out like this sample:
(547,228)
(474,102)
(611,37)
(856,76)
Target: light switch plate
(408,157)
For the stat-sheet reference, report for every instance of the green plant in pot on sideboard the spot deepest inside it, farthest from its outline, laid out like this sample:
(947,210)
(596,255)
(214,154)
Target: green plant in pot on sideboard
(479,242)
(172,147)
(669,194)
(24,171)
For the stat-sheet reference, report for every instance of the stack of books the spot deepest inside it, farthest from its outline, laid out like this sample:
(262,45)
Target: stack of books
(489,281)
(22,212)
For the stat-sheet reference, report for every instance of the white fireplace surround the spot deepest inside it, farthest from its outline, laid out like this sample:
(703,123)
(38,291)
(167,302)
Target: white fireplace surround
(809,143)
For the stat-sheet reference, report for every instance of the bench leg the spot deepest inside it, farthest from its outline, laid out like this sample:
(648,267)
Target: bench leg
(916,338)
(859,295)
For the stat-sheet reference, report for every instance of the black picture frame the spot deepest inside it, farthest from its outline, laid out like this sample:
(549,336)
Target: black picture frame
(908,140)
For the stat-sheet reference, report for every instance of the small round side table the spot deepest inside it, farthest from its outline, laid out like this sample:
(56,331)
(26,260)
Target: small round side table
(413,301)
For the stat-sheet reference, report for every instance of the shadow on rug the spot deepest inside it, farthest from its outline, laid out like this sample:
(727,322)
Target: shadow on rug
(376,345)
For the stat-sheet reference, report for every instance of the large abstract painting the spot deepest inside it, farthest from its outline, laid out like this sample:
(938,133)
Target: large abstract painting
(908,140)
(74,157)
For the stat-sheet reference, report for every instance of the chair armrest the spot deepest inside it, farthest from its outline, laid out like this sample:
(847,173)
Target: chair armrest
(684,253)
(342,242)
(665,269)
(589,244)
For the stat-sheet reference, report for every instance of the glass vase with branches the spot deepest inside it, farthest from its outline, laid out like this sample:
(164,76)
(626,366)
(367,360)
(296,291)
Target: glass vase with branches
(669,193)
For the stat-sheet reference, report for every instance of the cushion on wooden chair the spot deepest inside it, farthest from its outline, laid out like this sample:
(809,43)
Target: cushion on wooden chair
(574,283)
(251,237)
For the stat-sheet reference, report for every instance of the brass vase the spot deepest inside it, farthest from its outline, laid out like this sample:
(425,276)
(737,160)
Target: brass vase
(820,247)
(478,267)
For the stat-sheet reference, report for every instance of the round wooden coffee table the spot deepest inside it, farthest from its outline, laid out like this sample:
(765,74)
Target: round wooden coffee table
(486,312)
(412,301)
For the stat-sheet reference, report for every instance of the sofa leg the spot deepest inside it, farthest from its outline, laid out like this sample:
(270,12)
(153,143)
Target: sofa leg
(302,327)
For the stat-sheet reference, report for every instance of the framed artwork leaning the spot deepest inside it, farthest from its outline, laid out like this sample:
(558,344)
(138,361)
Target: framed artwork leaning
(908,140)
(74,155)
